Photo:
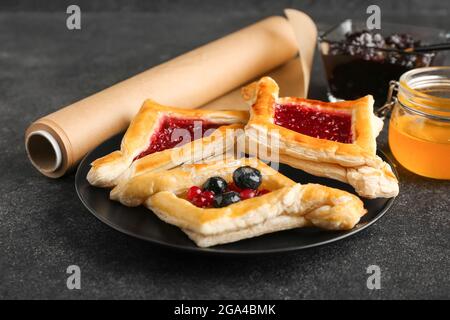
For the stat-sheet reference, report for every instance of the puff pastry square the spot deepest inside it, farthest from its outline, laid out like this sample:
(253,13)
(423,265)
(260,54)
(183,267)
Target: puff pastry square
(334,140)
(288,204)
(152,142)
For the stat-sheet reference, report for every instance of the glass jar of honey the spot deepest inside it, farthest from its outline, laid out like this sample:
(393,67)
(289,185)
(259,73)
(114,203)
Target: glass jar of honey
(419,129)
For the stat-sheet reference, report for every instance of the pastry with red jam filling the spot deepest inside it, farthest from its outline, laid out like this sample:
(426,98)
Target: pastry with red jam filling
(334,140)
(161,137)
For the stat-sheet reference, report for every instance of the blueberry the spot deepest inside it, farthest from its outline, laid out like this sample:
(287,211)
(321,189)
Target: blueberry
(401,41)
(247,178)
(216,185)
(365,38)
(225,199)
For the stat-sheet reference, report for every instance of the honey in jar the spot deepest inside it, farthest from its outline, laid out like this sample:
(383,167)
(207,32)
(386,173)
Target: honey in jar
(419,129)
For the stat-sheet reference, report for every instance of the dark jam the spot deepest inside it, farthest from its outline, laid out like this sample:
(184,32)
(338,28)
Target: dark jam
(363,64)
(167,136)
(329,125)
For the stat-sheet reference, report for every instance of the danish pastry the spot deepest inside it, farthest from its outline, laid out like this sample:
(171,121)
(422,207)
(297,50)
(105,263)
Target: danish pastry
(161,137)
(284,204)
(335,140)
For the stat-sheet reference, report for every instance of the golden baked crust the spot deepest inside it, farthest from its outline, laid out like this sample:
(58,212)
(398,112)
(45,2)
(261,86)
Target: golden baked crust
(369,182)
(108,170)
(288,205)
(302,151)
(133,192)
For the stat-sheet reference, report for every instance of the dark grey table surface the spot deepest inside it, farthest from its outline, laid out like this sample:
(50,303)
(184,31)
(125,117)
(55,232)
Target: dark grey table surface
(44,228)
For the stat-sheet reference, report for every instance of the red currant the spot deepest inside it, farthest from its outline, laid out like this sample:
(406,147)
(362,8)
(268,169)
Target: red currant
(203,200)
(208,198)
(197,201)
(233,187)
(193,192)
(247,194)
(263,192)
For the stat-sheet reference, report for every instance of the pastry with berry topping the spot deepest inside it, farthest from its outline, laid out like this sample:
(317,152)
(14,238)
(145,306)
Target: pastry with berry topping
(212,204)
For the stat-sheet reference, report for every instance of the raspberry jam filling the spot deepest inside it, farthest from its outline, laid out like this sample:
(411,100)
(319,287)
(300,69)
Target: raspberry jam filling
(329,125)
(167,136)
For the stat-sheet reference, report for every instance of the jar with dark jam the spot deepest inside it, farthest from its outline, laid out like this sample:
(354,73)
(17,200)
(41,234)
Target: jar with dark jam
(358,62)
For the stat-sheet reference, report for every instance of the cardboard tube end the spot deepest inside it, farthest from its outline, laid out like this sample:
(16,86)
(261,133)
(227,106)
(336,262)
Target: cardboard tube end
(44,151)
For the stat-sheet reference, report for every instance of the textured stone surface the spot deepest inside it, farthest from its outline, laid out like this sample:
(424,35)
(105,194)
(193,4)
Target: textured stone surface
(44,227)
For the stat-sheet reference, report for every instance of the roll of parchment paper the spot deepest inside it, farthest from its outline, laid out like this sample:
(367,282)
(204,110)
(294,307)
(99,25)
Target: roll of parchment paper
(57,142)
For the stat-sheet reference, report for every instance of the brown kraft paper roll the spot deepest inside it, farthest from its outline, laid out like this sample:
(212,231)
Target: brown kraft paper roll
(57,142)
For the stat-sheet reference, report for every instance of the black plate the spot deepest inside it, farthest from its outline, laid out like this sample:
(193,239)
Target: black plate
(141,223)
